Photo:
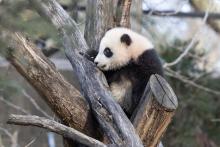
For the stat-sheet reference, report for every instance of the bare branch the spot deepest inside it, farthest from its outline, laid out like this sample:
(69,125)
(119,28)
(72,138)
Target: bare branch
(184,79)
(181,14)
(54,127)
(215,120)
(13,137)
(31,142)
(61,96)
(189,54)
(109,114)
(6,132)
(189,46)
(27,96)
(10,104)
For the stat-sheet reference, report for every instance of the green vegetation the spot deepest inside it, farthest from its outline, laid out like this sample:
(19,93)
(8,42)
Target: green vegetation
(197,108)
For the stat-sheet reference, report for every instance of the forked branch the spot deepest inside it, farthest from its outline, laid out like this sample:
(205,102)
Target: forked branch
(109,114)
(65,100)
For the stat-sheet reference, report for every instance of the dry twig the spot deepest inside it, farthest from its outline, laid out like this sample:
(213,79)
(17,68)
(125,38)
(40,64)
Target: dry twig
(181,14)
(27,96)
(10,104)
(184,79)
(190,45)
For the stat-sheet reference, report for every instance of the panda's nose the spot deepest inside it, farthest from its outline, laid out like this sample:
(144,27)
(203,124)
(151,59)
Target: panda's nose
(96,63)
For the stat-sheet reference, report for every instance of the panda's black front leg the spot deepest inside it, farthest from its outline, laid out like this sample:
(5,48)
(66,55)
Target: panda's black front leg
(90,54)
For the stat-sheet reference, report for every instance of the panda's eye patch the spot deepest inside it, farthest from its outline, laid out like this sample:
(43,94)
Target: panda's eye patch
(107,52)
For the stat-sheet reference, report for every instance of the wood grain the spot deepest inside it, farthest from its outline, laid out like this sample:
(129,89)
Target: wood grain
(54,127)
(155,111)
(108,113)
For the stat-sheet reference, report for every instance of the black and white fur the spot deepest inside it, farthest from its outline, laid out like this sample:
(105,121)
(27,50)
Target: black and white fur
(127,59)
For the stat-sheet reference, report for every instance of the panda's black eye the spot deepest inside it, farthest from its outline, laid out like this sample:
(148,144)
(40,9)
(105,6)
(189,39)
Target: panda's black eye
(107,52)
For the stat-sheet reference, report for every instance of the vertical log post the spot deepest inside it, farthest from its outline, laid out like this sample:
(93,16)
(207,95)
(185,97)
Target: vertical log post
(155,111)
(99,18)
(123,13)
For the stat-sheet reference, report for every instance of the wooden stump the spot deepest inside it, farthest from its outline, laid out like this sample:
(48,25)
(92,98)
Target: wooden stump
(155,111)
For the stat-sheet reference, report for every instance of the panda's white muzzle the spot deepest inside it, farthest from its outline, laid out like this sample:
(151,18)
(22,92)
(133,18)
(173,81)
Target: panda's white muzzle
(99,61)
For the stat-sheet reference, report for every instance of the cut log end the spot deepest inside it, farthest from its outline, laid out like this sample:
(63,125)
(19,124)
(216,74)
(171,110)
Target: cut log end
(163,92)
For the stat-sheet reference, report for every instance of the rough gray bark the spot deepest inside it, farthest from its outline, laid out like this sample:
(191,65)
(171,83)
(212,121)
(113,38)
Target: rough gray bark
(123,13)
(54,127)
(26,55)
(109,114)
(73,39)
(65,100)
(74,9)
(99,18)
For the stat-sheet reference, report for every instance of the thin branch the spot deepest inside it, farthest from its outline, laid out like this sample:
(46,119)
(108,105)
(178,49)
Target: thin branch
(215,120)
(13,137)
(54,127)
(31,142)
(10,104)
(27,96)
(189,54)
(33,139)
(64,99)
(6,132)
(190,45)
(171,13)
(184,79)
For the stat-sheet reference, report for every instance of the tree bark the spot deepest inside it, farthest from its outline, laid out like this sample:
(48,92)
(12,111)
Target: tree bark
(99,18)
(123,13)
(108,113)
(155,111)
(65,100)
(54,127)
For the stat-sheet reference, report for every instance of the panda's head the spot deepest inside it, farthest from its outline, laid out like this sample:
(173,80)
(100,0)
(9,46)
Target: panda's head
(119,46)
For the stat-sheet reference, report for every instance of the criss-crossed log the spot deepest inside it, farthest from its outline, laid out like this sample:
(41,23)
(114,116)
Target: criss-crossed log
(108,113)
(112,119)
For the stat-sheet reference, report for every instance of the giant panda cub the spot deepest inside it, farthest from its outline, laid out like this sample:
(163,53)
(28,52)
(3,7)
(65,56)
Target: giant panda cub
(127,59)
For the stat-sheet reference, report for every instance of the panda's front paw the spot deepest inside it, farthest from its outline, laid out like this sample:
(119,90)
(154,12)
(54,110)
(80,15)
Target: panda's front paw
(90,54)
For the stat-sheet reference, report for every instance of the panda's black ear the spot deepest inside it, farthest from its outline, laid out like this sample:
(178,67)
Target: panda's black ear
(125,38)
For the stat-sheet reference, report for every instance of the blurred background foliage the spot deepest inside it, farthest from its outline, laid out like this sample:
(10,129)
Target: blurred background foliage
(195,117)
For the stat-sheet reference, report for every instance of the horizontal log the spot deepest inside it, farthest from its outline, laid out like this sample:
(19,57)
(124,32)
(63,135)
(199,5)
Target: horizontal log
(54,127)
